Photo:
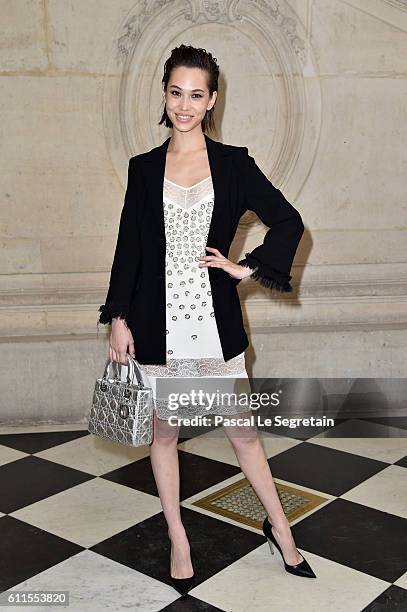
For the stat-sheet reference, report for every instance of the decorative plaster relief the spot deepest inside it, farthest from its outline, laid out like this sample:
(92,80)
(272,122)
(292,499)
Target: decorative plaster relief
(268,29)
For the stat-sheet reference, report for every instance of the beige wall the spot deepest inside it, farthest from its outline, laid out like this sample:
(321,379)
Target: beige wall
(316,89)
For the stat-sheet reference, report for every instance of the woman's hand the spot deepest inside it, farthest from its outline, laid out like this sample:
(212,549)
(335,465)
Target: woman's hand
(120,338)
(217,260)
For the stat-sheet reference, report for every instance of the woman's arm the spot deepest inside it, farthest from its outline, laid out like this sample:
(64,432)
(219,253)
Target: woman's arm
(272,260)
(126,259)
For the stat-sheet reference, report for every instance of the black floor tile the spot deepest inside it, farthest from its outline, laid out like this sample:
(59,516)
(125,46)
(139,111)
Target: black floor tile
(196,474)
(188,603)
(137,475)
(400,421)
(360,428)
(394,599)
(27,551)
(36,442)
(402,462)
(356,536)
(325,469)
(214,545)
(30,479)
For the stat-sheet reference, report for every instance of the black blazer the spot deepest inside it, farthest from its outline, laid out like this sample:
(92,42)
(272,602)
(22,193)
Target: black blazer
(137,288)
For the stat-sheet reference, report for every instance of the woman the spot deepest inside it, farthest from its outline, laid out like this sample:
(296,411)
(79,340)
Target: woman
(172,299)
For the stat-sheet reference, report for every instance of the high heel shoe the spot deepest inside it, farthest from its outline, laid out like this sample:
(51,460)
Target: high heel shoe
(300,569)
(182,585)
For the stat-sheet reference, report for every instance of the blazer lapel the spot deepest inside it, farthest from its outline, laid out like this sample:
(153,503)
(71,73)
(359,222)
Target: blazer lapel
(220,165)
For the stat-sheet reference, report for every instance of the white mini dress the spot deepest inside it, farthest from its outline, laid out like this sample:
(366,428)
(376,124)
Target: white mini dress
(192,338)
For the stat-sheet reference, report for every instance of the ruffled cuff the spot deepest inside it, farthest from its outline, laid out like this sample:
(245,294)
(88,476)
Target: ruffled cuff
(111,311)
(242,262)
(267,276)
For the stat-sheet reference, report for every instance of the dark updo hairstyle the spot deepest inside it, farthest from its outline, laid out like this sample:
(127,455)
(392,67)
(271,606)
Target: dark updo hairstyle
(192,57)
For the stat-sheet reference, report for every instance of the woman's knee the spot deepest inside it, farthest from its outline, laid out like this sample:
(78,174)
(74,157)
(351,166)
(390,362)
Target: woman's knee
(243,437)
(164,433)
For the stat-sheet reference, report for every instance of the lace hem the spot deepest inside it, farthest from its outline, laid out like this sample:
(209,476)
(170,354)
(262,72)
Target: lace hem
(204,366)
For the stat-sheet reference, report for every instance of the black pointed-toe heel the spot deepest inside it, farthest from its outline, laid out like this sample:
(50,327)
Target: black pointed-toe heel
(301,569)
(182,585)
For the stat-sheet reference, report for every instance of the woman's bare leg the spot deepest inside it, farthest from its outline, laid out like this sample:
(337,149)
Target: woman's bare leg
(253,462)
(165,466)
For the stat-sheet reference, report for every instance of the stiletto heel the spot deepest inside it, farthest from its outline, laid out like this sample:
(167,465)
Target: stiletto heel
(300,569)
(182,585)
(271,546)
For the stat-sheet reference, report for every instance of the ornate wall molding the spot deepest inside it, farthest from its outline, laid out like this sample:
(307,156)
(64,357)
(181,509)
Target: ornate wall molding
(267,29)
(393,12)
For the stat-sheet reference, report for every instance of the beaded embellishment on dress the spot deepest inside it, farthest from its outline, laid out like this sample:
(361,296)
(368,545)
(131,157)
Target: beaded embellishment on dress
(192,338)
(191,327)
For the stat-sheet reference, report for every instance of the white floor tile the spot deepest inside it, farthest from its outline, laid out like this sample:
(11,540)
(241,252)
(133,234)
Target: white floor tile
(259,582)
(215,445)
(386,491)
(7,455)
(402,581)
(90,512)
(389,449)
(93,454)
(96,583)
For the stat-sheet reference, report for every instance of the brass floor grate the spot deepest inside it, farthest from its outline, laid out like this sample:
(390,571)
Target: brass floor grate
(239,502)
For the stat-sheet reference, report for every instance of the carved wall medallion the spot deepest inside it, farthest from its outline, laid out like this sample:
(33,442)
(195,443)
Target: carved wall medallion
(269,99)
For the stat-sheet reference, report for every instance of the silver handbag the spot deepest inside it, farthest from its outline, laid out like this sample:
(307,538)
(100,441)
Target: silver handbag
(121,410)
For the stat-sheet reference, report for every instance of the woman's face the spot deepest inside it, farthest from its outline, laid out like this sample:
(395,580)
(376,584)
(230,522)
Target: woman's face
(187,97)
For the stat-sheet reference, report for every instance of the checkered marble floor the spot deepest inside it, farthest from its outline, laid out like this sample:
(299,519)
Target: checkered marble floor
(81,514)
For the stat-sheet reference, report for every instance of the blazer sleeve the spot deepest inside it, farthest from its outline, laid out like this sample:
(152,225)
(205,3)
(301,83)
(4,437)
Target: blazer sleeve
(126,260)
(272,260)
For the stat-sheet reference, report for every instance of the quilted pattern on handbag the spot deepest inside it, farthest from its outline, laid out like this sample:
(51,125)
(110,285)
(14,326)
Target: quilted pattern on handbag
(122,413)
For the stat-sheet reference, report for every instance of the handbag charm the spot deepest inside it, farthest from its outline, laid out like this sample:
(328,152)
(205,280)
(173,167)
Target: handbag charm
(121,410)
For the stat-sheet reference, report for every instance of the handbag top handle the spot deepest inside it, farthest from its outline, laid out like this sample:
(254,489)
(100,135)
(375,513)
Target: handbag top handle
(133,368)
